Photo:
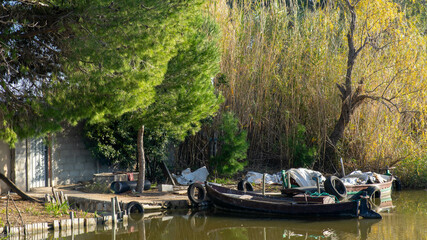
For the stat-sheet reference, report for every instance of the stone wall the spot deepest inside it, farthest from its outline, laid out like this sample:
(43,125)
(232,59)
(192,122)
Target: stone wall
(71,161)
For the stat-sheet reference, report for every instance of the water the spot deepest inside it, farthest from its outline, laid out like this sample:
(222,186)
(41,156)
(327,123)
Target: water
(408,220)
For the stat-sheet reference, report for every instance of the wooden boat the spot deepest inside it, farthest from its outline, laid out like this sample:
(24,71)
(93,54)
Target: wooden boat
(249,202)
(379,193)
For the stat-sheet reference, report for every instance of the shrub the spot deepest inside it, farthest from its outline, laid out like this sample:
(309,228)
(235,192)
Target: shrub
(233,147)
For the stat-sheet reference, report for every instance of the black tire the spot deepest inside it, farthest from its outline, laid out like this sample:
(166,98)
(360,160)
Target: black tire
(147,185)
(134,207)
(198,221)
(335,186)
(201,193)
(374,194)
(244,185)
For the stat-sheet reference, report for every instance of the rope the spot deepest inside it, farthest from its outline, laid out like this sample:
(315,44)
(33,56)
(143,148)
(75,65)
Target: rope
(316,195)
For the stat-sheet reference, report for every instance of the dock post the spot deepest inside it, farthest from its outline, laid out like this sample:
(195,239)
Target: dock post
(113,210)
(263,184)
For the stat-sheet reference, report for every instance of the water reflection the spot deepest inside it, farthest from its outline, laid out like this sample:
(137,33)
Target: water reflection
(210,225)
(407,221)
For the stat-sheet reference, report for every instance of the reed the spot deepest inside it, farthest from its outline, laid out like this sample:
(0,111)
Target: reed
(280,66)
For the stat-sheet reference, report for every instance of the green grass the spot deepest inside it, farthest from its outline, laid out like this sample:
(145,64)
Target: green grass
(57,210)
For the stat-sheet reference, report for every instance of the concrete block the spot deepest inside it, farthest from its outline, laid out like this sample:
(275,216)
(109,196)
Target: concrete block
(75,223)
(35,228)
(165,188)
(63,224)
(28,228)
(108,220)
(56,234)
(14,231)
(90,228)
(90,221)
(81,222)
(74,232)
(125,220)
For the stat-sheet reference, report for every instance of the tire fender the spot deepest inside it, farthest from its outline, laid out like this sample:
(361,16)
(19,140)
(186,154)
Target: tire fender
(134,207)
(334,186)
(191,192)
(373,192)
(244,185)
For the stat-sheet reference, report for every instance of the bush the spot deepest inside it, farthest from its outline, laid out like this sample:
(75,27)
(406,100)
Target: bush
(233,147)
(413,172)
(302,154)
(115,143)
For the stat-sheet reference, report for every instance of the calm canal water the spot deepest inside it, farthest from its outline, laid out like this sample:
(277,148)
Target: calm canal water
(408,220)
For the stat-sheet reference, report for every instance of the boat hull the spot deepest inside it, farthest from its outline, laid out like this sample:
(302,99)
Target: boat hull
(384,201)
(247,202)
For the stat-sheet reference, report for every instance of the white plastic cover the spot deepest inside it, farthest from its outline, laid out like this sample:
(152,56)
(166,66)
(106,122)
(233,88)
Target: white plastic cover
(256,178)
(359,177)
(187,177)
(303,176)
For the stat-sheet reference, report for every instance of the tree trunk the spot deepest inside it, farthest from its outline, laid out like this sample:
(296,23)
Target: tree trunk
(16,189)
(350,99)
(141,161)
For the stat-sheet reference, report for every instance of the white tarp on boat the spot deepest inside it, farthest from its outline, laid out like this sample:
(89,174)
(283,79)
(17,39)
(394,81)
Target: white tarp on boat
(359,177)
(256,178)
(303,176)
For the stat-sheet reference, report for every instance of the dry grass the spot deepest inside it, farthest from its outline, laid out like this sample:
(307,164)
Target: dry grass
(31,212)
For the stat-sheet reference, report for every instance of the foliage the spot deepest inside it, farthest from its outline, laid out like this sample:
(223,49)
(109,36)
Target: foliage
(224,181)
(233,147)
(99,58)
(283,67)
(303,155)
(112,142)
(29,55)
(413,172)
(186,94)
(56,209)
(184,97)
(416,11)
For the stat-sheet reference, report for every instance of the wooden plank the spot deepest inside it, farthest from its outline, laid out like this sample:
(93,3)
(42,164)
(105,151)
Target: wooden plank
(167,172)
(306,198)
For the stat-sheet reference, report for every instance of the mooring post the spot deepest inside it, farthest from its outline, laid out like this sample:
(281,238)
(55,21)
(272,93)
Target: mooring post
(72,219)
(263,184)
(119,211)
(113,210)
(342,167)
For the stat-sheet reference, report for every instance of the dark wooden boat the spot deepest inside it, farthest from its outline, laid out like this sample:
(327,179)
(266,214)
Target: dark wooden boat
(249,202)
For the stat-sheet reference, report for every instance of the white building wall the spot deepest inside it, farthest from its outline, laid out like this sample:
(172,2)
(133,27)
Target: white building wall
(20,165)
(4,164)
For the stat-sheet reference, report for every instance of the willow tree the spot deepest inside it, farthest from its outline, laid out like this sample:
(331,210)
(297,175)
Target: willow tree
(386,63)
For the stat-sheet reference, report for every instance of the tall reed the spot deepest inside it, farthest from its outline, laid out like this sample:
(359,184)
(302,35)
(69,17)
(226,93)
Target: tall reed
(280,66)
